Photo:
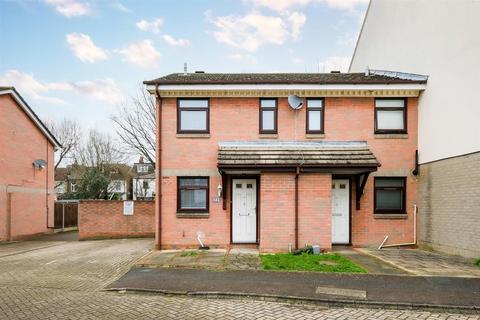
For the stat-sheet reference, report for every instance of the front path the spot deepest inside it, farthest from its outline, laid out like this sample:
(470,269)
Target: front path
(425,263)
(64,280)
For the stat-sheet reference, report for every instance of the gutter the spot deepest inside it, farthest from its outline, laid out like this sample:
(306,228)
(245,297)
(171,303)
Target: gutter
(158,169)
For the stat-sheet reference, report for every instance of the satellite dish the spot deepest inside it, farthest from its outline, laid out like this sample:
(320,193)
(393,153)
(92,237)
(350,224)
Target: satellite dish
(295,102)
(39,164)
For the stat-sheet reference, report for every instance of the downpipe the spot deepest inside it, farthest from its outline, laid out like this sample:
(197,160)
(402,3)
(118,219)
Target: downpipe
(383,245)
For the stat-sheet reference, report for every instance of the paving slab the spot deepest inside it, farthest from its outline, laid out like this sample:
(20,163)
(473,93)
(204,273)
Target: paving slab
(425,263)
(370,263)
(380,289)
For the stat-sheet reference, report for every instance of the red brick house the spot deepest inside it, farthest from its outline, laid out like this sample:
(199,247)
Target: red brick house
(238,162)
(26,169)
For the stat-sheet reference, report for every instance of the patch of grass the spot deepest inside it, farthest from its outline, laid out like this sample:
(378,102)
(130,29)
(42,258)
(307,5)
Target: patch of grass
(327,262)
(188,254)
(478,262)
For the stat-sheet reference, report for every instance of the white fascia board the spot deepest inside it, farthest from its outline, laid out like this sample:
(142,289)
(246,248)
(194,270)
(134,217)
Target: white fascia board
(32,116)
(193,87)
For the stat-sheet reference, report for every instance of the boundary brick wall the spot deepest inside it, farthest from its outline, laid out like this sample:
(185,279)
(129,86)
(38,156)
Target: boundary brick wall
(449,208)
(104,219)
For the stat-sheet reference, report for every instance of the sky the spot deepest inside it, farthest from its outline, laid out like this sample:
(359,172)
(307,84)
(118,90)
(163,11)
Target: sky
(81,59)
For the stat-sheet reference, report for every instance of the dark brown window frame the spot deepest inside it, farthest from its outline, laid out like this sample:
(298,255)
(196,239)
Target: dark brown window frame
(322,122)
(207,188)
(274,109)
(179,127)
(404,195)
(404,109)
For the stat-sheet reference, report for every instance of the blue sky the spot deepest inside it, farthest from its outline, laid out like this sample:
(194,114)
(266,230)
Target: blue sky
(80,59)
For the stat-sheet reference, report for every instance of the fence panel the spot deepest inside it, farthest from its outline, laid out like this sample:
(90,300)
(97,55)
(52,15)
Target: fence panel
(66,214)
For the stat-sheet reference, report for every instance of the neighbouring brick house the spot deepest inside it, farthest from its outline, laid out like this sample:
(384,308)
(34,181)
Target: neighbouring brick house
(27,150)
(238,163)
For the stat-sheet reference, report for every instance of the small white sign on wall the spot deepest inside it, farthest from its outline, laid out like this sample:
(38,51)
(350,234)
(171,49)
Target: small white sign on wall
(128,208)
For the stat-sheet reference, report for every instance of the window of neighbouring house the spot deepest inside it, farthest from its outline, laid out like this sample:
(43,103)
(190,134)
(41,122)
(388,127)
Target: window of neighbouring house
(73,187)
(193,116)
(315,115)
(192,194)
(390,115)
(142,168)
(390,194)
(268,115)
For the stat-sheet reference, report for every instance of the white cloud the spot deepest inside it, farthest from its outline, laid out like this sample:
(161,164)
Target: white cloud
(345,4)
(297,21)
(335,63)
(84,48)
(101,89)
(121,7)
(142,54)
(71,8)
(105,90)
(254,30)
(150,26)
(286,5)
(175,42)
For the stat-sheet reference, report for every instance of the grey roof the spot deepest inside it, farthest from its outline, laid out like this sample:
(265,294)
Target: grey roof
(294,153)
(281,78)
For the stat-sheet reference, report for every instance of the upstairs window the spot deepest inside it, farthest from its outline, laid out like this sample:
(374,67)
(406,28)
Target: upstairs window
(268,115)
(142,168)
(192,194)
(390,116)
(193,116)
(390,195)
(315,115)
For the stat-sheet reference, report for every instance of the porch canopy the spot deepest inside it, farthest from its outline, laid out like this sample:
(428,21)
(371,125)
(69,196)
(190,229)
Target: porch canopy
(336,157)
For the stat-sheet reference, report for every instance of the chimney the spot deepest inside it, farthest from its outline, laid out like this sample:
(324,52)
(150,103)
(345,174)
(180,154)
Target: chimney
(185,69)
(141,159)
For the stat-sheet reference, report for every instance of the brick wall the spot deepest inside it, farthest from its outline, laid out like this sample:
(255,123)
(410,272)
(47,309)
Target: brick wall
(105,219)
(277,216)
(237,119)
(449,212)
(26,194)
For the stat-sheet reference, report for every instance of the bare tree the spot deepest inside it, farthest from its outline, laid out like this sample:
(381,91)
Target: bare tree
(136,125)
(68,133)
(99,161)
(98,151)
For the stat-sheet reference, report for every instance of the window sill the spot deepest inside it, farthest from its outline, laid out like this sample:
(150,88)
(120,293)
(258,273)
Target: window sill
(315,136)
(390,216)
(268,136)
(391,136)
(195,215)
(193,135)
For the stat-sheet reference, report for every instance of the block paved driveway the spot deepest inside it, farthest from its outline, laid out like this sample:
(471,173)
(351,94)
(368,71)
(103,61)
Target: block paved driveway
(64,280)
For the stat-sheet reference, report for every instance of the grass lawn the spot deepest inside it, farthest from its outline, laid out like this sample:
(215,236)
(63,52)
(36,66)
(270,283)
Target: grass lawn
(327,262)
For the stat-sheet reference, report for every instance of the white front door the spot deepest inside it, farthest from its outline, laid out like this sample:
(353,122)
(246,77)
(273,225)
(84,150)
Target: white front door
(244,211)
(340,211)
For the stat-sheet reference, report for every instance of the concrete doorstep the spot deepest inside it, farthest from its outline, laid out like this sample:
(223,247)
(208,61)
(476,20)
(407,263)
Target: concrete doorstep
(383,291)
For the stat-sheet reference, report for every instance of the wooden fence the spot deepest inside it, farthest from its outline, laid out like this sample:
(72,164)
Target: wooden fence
(66,214)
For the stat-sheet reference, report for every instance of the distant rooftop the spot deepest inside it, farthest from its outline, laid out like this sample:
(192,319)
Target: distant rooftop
(287,78)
